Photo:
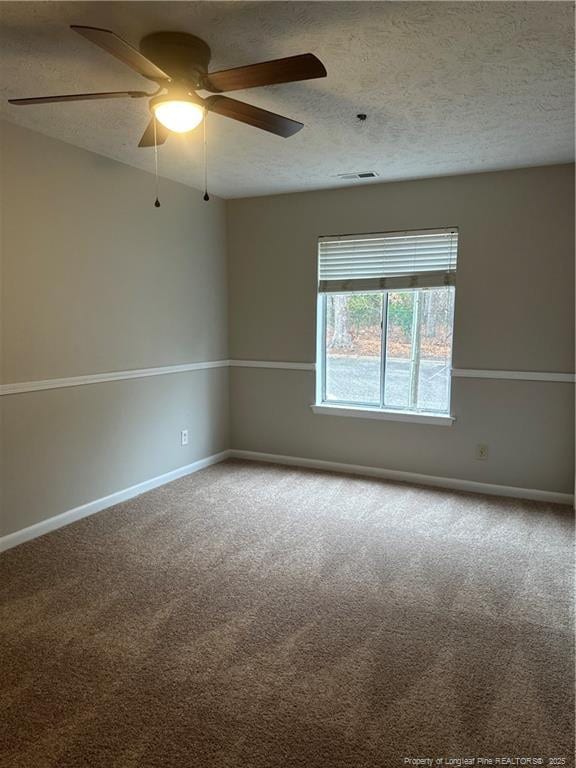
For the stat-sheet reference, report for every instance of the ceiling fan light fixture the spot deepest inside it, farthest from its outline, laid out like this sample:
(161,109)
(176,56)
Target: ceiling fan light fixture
(178,115)
(185,60)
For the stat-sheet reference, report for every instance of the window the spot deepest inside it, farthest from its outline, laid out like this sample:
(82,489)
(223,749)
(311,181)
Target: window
(385,309)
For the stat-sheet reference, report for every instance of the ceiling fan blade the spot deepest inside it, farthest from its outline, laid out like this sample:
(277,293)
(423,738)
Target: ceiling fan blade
(122,50)
(147,139)
(81,97)
(259,118)
(288,70)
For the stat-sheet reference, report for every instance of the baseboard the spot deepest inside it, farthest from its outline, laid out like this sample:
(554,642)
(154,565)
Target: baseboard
(53,523)
(452,483)
(59,521)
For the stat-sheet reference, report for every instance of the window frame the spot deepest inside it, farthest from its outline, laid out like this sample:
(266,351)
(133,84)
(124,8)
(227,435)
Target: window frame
(369,410)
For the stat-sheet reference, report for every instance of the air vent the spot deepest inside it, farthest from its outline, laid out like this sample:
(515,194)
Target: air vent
(358,175)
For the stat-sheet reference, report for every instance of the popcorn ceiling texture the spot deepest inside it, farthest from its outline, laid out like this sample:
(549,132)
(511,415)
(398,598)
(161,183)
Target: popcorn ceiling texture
(257,616)
(449,88)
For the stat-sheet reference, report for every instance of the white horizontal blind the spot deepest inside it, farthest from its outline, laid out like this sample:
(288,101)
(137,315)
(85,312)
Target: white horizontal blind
(394,260)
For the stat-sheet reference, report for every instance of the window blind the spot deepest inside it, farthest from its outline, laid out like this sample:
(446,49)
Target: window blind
(394,260)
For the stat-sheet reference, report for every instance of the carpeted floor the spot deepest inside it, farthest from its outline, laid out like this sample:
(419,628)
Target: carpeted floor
(266,617)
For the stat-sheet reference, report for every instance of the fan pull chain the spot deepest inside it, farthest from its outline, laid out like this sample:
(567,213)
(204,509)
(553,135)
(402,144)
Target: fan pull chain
(206,195)
(157,201)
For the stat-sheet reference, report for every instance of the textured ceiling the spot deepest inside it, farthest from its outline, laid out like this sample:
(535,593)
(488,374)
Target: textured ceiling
(448,87)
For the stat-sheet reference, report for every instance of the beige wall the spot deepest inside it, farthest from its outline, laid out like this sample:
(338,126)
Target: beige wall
(514,312)
(65,447)
(95,279)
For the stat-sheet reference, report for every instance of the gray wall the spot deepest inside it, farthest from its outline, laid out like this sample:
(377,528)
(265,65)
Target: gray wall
(95,279)
(514,312)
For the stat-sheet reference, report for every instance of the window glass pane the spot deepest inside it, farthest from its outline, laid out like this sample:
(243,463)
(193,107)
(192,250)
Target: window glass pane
(399,349)
(353,347)
(435,343)
(419,349)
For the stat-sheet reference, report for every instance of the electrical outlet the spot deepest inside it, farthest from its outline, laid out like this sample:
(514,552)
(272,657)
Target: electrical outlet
(481,451)
(184,437)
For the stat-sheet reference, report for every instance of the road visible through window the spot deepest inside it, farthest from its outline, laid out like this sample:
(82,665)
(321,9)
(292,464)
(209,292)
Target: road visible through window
(357,380)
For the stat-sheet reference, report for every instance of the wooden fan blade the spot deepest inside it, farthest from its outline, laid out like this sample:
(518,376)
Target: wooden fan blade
(259,118)
(81,97)
(147,139)
(288,70)
(122,50)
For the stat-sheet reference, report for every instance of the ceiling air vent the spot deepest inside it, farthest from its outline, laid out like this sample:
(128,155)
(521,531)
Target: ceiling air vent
(358,175)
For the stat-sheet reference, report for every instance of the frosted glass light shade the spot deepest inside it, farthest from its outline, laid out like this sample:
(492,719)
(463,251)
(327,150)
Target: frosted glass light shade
(179,116)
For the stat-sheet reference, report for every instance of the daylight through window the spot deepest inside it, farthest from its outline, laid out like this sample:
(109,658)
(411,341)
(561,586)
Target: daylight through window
(386,308)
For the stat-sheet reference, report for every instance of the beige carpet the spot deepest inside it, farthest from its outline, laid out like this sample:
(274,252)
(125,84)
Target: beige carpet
(265,617)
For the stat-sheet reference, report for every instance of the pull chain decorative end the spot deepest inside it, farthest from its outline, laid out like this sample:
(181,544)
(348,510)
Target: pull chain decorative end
(156,202)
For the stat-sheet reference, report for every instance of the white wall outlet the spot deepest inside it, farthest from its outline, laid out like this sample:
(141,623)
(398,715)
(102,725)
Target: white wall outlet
(481,451)
(184,437)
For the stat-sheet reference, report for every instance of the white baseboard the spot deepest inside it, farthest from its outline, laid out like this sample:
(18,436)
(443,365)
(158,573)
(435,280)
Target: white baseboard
(53,523)
(452,483)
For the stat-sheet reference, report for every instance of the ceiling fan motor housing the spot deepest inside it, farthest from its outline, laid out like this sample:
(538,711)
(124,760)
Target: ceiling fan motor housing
(185,57)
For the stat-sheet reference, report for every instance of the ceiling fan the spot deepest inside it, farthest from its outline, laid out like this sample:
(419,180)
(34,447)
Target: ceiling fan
(178,63)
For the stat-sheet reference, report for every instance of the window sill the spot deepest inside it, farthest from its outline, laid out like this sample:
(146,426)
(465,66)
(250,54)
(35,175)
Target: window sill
(374,413)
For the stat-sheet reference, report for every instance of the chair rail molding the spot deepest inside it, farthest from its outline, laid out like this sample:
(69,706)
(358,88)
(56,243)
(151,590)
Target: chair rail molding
(22,387)
(97,378)
(472,373)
